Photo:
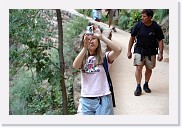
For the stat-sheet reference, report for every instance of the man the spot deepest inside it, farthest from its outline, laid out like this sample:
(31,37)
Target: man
(97,14)
(149,40)
(113,14)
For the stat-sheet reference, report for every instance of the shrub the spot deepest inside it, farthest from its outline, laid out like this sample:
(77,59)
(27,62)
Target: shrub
(123,22)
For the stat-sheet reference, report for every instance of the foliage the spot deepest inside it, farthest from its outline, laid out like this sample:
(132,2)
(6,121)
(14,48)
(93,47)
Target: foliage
(160,14)
(20,93)
(123,22)
(86,12)
(124,12)
(28,30)
(71,30)
(33,49)
(104,18)
(135,16)
(71,105)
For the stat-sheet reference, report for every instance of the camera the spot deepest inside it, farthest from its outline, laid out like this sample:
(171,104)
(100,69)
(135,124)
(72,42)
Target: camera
(89,30)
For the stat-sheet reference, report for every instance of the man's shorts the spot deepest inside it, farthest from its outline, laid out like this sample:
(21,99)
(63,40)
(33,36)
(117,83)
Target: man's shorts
(145,61)
(114,14)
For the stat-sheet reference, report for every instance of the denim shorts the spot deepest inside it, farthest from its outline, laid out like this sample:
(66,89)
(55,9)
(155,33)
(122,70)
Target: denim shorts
(97,106)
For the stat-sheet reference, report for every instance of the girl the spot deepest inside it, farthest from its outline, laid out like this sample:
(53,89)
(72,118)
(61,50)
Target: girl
(96,96)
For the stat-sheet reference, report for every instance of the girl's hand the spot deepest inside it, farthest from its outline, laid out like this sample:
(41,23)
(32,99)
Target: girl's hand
(96,29)
(97,32)
(98,35)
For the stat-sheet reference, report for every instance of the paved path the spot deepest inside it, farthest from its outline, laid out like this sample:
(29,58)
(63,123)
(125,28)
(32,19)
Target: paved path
(122,73)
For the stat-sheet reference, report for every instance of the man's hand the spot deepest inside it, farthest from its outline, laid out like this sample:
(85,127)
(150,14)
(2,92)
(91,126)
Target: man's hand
(129,54)
(160,57)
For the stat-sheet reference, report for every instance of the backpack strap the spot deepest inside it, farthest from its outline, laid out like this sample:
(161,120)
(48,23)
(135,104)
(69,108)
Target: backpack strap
(139,24)
(138,27)
(105,65)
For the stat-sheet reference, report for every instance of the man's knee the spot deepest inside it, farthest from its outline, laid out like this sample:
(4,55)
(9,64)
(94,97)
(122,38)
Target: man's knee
(148,70)
(139,68)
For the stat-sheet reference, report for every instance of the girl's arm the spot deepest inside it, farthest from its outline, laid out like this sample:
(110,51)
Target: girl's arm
(79,59)
(116,49)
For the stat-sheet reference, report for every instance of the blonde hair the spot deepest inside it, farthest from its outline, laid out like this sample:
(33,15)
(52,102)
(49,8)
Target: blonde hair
(98,52)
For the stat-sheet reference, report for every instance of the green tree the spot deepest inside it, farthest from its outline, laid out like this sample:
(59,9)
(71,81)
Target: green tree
(31,33)
(61,60)
(37,65)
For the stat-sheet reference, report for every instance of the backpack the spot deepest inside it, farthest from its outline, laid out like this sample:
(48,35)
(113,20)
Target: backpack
(153,43)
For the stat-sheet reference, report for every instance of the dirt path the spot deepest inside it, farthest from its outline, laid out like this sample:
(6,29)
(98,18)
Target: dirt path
(122,74)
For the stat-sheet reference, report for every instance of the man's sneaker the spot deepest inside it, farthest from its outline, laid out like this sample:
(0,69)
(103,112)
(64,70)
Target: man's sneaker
(146,88)
(138,91)
(114,29)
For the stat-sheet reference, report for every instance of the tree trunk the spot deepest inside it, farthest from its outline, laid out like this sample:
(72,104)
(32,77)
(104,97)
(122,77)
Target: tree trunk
(61,59)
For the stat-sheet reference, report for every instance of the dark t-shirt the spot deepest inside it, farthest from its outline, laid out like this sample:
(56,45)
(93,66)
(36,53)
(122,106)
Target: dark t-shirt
(146,37)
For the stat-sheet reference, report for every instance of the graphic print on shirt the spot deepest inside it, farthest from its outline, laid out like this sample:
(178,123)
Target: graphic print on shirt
(91,66)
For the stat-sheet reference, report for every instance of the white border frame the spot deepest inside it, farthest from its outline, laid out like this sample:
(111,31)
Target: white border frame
(171,119)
